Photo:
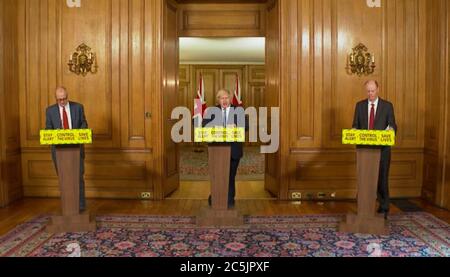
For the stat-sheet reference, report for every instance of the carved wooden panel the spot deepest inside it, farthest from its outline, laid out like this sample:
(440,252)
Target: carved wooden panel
(223,20)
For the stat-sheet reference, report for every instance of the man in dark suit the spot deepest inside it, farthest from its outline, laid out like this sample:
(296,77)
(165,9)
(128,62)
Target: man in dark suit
(67,115)
(231,117)
(375,113)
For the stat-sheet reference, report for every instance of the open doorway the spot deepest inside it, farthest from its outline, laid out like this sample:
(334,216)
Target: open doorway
(207,65)
(225,37)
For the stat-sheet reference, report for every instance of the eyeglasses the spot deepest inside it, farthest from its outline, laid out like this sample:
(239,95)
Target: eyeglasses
(61,99)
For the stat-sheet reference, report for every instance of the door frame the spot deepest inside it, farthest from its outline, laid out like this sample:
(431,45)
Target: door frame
(161,169)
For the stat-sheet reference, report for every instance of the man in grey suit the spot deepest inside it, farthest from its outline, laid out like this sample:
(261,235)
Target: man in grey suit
(67,115)
(375,113)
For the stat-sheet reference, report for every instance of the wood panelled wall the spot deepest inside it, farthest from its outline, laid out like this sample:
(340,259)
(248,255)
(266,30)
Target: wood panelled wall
(446,192)
(436,183)
(222,20)
(125,35)
(10,175)
(170,62)
(252,82)
(307,44)
(126,102)
(320,96)
(275,161)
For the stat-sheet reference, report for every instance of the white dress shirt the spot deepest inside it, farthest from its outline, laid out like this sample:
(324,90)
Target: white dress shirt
(67,107)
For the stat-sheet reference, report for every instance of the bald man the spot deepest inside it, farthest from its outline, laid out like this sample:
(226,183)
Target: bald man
(66,114)
(375,113)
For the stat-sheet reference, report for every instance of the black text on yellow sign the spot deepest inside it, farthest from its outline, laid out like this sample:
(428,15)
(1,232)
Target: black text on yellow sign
(368,137)
(64,137)
(219,134)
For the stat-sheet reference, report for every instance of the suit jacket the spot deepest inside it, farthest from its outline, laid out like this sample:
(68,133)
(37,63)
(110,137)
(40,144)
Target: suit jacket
(236,147)
(53,117)
(384,116)
(53,121)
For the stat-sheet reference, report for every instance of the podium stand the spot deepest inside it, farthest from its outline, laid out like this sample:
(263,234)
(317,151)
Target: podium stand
(219,170)
(68,168)
(366,220)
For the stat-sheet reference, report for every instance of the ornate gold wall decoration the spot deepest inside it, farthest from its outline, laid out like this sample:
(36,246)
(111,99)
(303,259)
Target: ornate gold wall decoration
(360,61)
(83,61)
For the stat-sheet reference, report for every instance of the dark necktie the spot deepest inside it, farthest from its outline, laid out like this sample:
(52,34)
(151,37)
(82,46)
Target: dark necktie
(372,118)
(65,119)
(225,118)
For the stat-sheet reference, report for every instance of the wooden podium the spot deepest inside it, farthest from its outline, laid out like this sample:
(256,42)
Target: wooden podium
(219,170)
(68,164)
(366,220)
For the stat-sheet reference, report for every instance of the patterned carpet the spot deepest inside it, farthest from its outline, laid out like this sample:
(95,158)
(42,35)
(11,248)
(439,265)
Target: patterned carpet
(194,165)
(412,234)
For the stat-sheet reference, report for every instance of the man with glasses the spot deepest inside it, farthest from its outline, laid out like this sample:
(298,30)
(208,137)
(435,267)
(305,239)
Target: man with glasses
(66,114)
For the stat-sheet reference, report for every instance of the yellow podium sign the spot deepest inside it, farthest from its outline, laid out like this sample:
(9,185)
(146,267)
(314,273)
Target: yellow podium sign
(219,134)
(368,137)
(64,137)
